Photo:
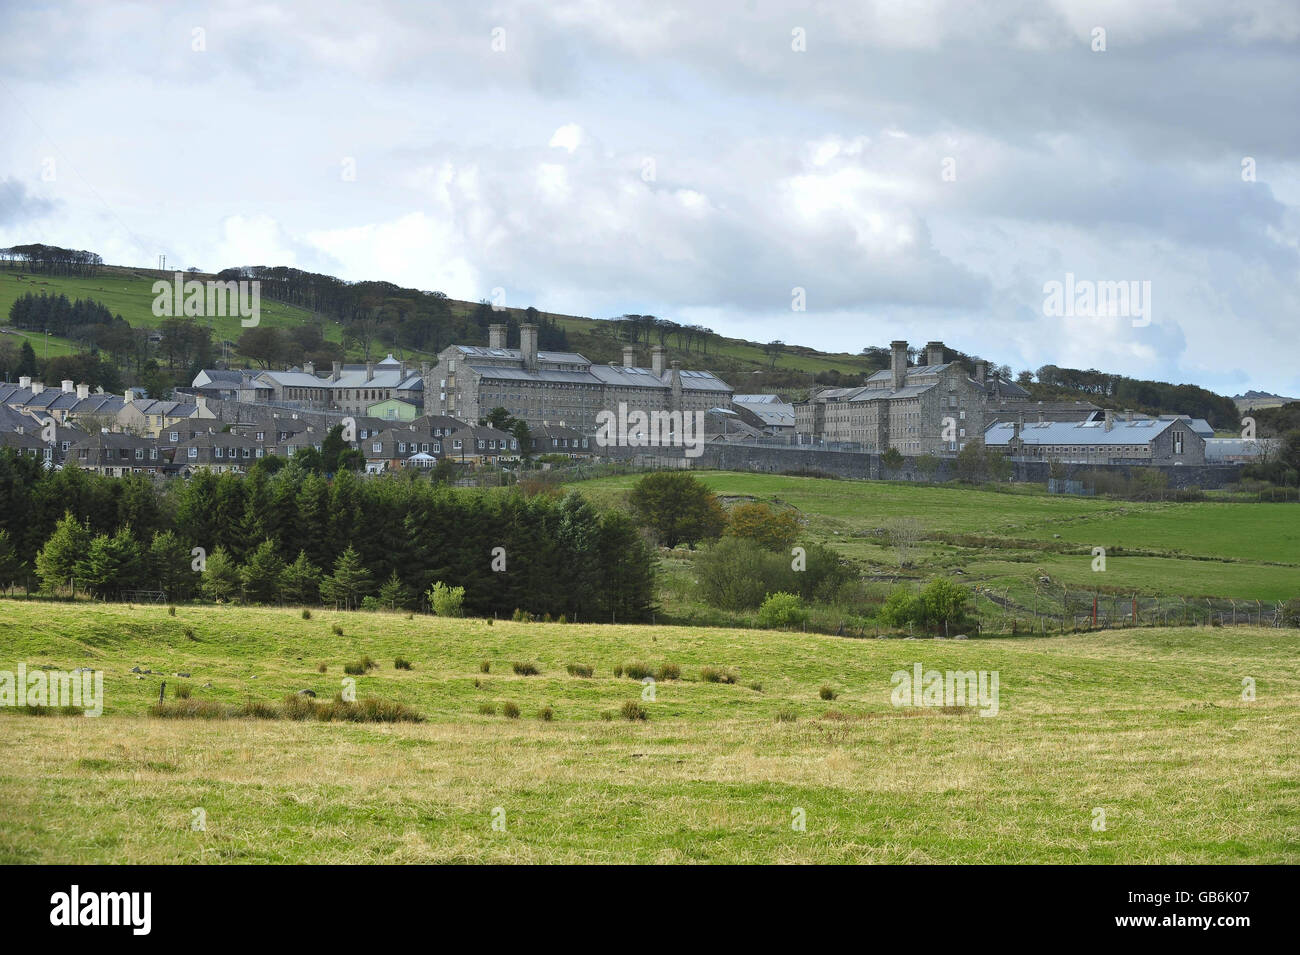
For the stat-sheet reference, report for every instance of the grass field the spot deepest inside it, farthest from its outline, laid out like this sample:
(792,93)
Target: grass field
(1148,725)
(129,293)
(1237,551)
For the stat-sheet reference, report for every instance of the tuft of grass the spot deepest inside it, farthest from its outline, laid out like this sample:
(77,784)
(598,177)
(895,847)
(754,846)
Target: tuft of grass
(401,664)
(717,675)
(354,669)
(306,614)
(510,710)
(323,668)
(487,709)
(632,711)
(827,693)
(668,671)
(338,630)
(637,671)
(579,669)
(189,634)
(191,710)
(546,714)
(171,611)
(525,668)
(485,666)
(182,691)
(618,669)
(786,715)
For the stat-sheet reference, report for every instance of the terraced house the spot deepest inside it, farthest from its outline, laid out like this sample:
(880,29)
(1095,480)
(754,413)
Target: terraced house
(561,388)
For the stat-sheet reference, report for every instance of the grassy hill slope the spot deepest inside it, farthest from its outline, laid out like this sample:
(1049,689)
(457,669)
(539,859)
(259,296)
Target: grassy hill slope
(1148,725)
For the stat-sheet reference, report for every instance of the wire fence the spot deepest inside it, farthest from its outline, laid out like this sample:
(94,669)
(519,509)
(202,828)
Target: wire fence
(1056,609)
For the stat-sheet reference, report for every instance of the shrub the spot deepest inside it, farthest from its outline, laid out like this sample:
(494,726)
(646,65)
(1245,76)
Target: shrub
(400,664)
(827,693)
(183,691)
(736,574)
(637,671)
(338,630)
(485,666)
(446,601)
(546,714)
(487,709)
(783,610)
(306,614)
(525,668)
(678,507)
(769,529)
(510,710)
(717,675)
(668,671)
(579,669)
(632,711)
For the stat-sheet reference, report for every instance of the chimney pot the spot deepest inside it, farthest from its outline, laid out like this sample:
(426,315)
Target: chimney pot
(337,371)
(25,381)
(83,391)
(309,368)
(981,370)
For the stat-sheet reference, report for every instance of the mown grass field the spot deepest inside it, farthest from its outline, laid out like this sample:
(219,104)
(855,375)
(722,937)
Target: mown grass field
(1239,551)
(1148,724)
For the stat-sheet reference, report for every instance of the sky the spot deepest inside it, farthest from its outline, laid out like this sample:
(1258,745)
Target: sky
(832,174)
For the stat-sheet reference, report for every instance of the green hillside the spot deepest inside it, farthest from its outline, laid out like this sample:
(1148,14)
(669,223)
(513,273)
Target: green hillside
(1148,726)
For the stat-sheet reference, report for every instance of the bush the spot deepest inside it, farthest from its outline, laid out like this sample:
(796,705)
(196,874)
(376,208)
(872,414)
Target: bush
(767,528)
(632,711)
(525,669)
(736,574)
(510,710)
(827,693)
(782,610)
(579,669)
(678,507)
(717,675)
(306,614)
(400,664)
(637,671)
(446,601)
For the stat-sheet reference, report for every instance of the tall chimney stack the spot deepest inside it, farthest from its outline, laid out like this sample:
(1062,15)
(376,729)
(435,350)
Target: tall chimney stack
(496,336)
(657,360)
(370,371)
(83,391)
(1110,419)
(934,353)
(629,356)
(981,370)
(309,368)
(337,371)
(67,386)
(898,362)
(528,345)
